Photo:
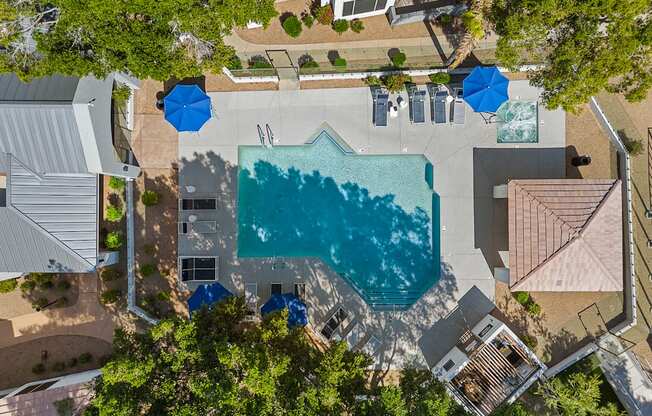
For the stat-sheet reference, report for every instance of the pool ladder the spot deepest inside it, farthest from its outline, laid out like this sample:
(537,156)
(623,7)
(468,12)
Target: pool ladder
(261,136)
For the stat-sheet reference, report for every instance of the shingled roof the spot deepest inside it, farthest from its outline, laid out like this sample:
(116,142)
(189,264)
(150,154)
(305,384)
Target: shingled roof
(565,235)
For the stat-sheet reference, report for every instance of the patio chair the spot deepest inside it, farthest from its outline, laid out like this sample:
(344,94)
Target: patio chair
(437,104)
(339,317)
(371,346)
(276,288)
(416,101)
(355,335)
(251,297)
(300,290)
(381,104)
(458,107)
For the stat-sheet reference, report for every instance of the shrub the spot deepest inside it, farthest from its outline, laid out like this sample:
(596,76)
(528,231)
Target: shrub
(357,26)
(114,213)
(8,285)
(473,23)
(440,77)
(147,270)
(398,59)
(530,341)
(340,62)
(58,366)
(65,407)
(307,20)
(634,147)
(117,183)
(163,296)
(522,297)
(85,358)
(104,359)
(42,280)
(373,81)
(533,308)
(38,368)
(63,284)
(27,286)
(234,63)
(395,83)
(121,94)
(149,249)
(109,297)
(340,26)
(62,301)
(72,362)
(39,303)
(324,14)
(110,274)
(149,198)
(445,19)
(259,62)
(113,240)
(292,26)
(309,63)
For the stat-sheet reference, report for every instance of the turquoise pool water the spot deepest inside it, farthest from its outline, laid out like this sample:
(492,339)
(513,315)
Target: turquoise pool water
(370,218)
(517,122)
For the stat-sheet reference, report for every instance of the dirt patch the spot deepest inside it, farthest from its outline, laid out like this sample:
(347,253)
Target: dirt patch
(375,28)
(20,302)
(63,348)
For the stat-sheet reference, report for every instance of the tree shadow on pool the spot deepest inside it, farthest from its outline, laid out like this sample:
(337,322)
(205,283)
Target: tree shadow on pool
(388,254)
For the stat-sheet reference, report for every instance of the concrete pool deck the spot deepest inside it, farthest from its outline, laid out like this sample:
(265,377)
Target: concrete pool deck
(467,162)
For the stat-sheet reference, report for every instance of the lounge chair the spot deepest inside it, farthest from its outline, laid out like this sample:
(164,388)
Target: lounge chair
(355,335)
(251,297)
(372,345)
(458,107)
(416,101)
(437,104)
(300,290)
(381,104)
(276,288)
(340,318)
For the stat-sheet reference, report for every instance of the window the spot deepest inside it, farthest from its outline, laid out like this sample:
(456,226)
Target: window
(198,204)
(449,364)
(198,268)
(277,288)
(347,10)
(362,6)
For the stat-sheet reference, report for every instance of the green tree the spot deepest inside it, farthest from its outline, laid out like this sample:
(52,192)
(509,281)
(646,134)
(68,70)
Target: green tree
(216,363)
(149,39)
(584,47)
(575,395)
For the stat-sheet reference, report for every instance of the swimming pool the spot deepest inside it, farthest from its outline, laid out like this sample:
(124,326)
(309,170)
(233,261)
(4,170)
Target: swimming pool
(517,122)
(370,218)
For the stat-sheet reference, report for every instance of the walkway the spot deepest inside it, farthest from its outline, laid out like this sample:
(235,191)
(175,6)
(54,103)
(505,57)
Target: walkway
(630,382)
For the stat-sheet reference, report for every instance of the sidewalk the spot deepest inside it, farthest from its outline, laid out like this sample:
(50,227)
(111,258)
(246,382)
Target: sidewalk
(632,385)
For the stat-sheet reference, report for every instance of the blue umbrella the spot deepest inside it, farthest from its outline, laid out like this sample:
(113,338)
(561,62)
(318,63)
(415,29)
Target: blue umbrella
(207,294)
(297,311)
(187,107)
(485,89)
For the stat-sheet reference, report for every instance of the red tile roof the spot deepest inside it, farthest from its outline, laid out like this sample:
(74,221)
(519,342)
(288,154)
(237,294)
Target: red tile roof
(565,235)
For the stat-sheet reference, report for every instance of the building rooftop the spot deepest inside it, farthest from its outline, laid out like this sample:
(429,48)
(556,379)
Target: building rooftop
(565,235)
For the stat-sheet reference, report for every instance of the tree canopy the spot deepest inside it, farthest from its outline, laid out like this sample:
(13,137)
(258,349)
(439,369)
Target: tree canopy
(148,39)
(219,364)
(585,46)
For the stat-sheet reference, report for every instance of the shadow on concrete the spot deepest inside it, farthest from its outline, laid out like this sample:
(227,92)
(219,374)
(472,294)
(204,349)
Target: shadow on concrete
(493,167)
(445,333)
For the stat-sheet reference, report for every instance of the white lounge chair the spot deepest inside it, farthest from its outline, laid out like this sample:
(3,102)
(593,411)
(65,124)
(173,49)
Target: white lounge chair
(459,107)
(372,345)
(339,319)
(355,335)
(251,297)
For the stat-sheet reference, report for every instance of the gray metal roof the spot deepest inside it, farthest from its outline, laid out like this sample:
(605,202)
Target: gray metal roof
(54,88)
(45,136)
(64,206)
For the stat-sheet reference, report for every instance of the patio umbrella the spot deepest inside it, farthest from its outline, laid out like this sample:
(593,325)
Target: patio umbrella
(187,107)
(297,311)
(207,294)
(485,89)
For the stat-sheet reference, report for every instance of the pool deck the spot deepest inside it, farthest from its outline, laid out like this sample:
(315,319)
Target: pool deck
(467,162)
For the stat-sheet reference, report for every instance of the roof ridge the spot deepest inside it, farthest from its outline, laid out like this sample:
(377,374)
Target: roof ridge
(575,236)
(34,223)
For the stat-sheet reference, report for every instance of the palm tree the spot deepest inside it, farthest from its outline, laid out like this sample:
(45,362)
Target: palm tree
(475,25)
